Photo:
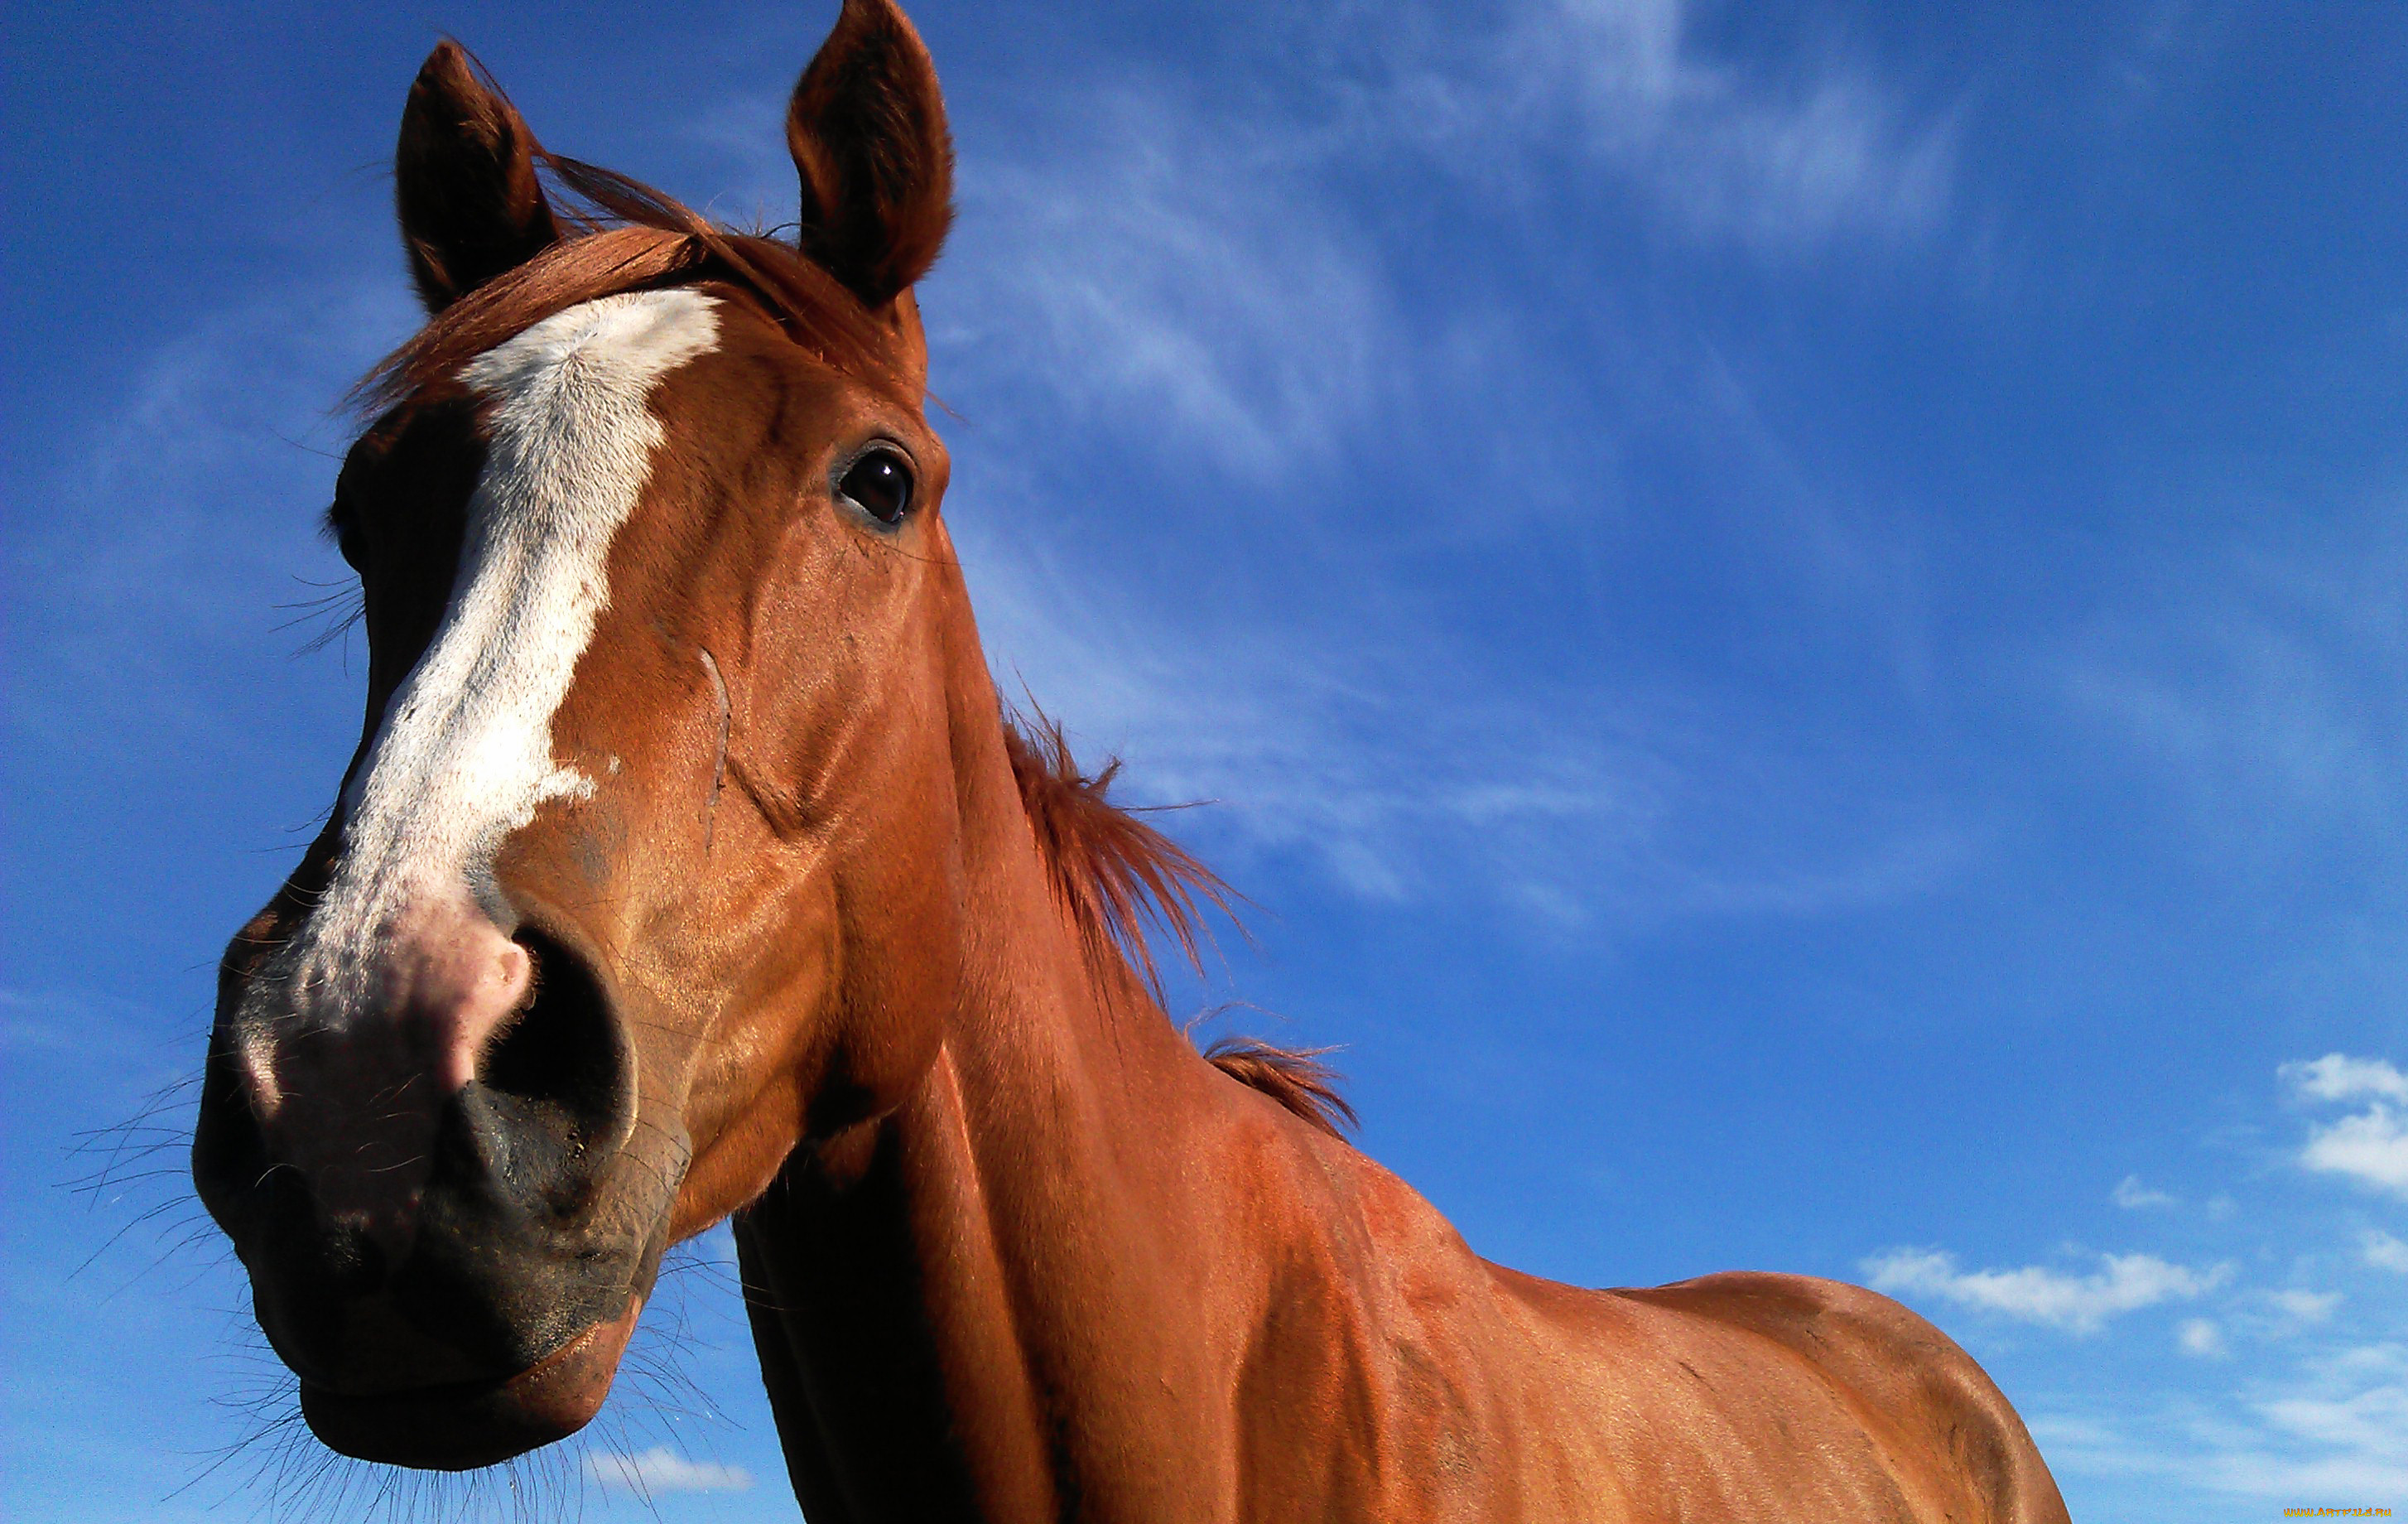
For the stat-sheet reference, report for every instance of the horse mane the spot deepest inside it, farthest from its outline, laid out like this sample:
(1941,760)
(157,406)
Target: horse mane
(1113,873)
(1295,1077)
(624,236)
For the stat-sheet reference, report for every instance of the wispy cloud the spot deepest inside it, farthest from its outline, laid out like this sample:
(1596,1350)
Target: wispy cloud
(1785,163)
(2304,1306)
(2124,1283)
(71,1022)
(2328,1429)
(1401,765)
(2385,1252)
(2268,682)
(2337,1076)
(1179,265)
(1210,260)
(1379,765)
(2353,1406)
(174,537)
(2132,1196)
(661,1470)
(2200,1336)
(1176,292)
(1164,299)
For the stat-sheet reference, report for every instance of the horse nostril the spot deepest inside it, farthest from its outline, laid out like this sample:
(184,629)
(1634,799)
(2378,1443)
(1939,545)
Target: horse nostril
(556,1080)
(229,1147)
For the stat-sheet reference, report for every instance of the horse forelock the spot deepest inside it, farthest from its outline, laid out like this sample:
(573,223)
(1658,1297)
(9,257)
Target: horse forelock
(626,237)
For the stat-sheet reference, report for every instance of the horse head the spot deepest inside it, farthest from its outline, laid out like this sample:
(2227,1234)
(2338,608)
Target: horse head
(639,875)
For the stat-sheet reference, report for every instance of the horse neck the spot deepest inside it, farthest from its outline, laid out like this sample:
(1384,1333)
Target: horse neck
(956,1303)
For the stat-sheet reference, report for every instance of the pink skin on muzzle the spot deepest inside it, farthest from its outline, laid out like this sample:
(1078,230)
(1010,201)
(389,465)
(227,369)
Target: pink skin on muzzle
(351,1100)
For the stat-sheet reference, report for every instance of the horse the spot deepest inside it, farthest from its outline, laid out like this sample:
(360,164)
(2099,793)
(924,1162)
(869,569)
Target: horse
(690,866)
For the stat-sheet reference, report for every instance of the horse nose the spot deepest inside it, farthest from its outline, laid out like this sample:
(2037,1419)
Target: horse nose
(442,1068)
(352,1065)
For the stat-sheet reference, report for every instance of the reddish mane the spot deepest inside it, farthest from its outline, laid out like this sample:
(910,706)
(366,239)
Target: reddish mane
(623,237)
(1113,873)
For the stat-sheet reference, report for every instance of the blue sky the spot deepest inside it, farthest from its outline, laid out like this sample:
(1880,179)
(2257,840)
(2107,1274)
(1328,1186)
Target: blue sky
(1798,617)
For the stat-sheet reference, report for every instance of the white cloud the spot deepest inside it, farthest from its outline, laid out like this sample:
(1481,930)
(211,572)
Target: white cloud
(2385,1252)
(661,1470)
(2134,1197)
(2305,1306)
(2198,1336)
(2124,1283)
(2325,1425)
(1828,156)
(2337,1076)
(2371,1146)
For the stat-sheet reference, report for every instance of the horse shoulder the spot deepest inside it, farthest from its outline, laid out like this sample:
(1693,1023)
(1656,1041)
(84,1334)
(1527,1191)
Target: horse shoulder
(1948,1436)
(1394,1374)
(1373,1385)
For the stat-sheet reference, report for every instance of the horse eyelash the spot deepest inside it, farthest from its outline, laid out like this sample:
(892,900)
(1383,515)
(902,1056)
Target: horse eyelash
(342,607)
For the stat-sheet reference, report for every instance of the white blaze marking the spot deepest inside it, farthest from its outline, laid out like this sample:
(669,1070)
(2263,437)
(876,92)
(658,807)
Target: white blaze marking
(464,754)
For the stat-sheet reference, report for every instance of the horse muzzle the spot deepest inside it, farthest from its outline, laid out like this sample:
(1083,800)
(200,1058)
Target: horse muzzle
(448,1229)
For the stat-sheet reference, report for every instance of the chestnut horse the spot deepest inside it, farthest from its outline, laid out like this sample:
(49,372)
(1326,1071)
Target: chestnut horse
(688,866)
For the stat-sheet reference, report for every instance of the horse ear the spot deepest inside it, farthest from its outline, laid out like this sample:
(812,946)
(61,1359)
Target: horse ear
(866,127)
(465,183)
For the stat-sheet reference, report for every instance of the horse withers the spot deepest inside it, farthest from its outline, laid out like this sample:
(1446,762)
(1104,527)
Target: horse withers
(689,866)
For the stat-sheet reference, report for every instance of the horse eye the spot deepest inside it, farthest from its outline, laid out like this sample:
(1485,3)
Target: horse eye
(879,484)
(345,532)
